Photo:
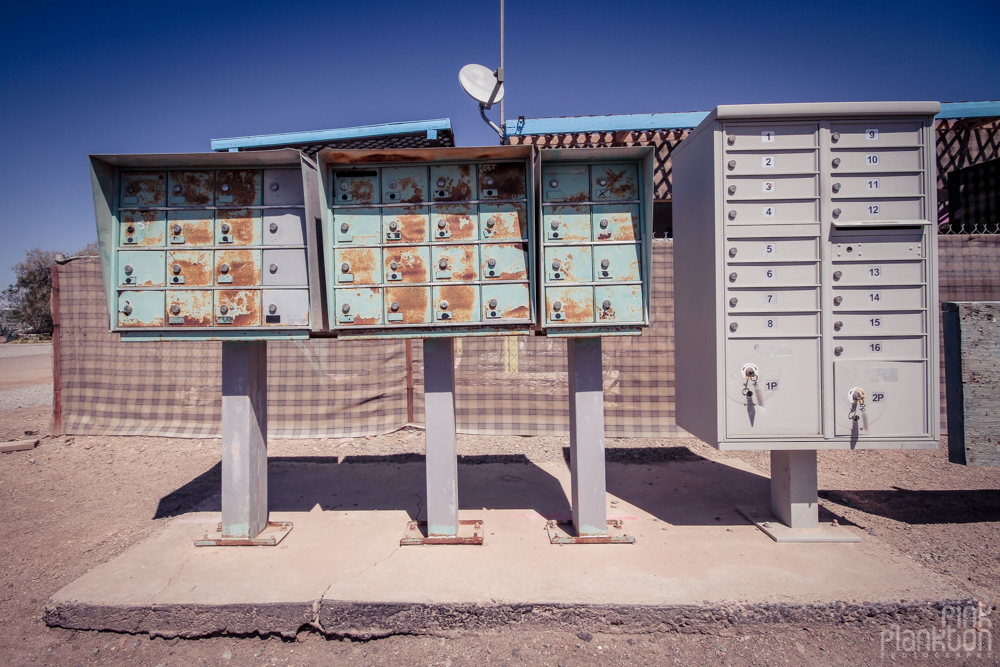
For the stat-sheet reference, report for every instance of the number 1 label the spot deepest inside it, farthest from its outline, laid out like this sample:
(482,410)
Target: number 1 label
(767,136)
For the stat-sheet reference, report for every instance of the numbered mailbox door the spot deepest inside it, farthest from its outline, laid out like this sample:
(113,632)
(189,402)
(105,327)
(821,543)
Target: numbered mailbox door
(617,263)
(190,228)
(189,308)
(569,305)
(456,303)
(614,182)
(358,266)
(285,267)
(284,226)
(786,398)
(570,264)
(357,226)
(457,222)
(143,228)
(237,308)
(141,268)
(140,309)
(453,182)
(408,305)
(506,302)
(563,182)
(240,226)
(361,306)
(455,262)
(239,187)
(356,187)
(769,163)
(238,268)
(285,307)
(504,261)
(895,403)
(567,224)
(771,135)
(616,222)
(404,184)
(189,268)
(619,304)
(406,264)
(502,181)
(283,187)
(190,188)
(405,225)
(143,188)
(503,221)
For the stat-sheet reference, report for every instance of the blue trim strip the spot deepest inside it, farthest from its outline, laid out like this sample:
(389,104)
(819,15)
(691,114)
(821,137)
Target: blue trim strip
(969,109)
(321,136)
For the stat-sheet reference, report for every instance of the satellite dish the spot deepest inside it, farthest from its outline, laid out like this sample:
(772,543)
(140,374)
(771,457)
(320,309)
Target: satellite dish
(481,84)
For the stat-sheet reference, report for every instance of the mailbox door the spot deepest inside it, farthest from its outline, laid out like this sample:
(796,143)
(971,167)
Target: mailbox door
(771,135)
(284,226)
(189,228)
(237,268)
(405,225)
(189,308)
(503,221)
(768,162)
(619,304)
(502,181)
(189,268)
(406,264)
(569,305)
(144,188)
(457,303)
(453,182)
(880,211)
(361,306)
(569,264)
(358,266)
(285,267)
(455,262)
(355,186)
(566,224)
(769,187)
(190,188)
(566,182)
(408,305)
(285,307)
(140,309)
(774,212)
(283,187)
(237,308)
(143,228)
(616,222)
(617,263)
(507,302)
(895,399)
(877,160)
(238,187)
(456,222)
(874,134)
(404,184)
(141,268)
(356,226)
(504,261)
(614,182)
(238,227)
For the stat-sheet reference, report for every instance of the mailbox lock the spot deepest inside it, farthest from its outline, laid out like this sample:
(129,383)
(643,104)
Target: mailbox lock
(130,189)
(838,325)
(731,139)
(836,212)
(274,227)
(491,262)
(442,224)
(392,185)
(731,165)
(444,305)
(393,265)
(225,187)
(272,309)
(556,264)
(175,309)
(224,268)
(493,303)
(553,183)
(344,227)
(837,275)
(750,370)
(604,223)
(732,189)
(130,229)
(733,302)
(838,350)
(273,268)
(489,180)
(490,223)
(732,277)
(602,182)
(393,225)
(440,183)
(554,224)
(177,269)
(606,305)
(734,326)
(127,309)
(443,264)
(835,137)
(732,252)
(176,230)
(837,300)
(274,186)
(346,308)
(557,306)
(343,185)
(344,268)
(836,162)
(225,228)
(605,263)
(223,309)
(128,269)
(177,189)
(836,187)
(732,215)
(394,306)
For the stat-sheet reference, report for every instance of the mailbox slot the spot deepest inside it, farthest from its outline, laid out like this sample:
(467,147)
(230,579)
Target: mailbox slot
(456,303)
(571,264)
(238,187)
(189,228)
(406,264)
(143,188)
(405,225)
(566,224)
(620,304)
(237,308)
(569,305)
(284,226)
(238,227)
(189,308)
(360,306)
(895,400)
(404,184)
(283,187)
(771,136)
(356,187)
(453,182)
(566,182)
(189,268)
(502,181)
(141,268)
(772,325)
(616,222)
(190,188)
(504,261)
(617,263)
(413,305)
(510,301)
(356,226)
(767,162)
(238,268)
(455,262)
(503,221)
(614,182)
(285,307)
(142,228)
(358,266)
(455,222)
(140,309)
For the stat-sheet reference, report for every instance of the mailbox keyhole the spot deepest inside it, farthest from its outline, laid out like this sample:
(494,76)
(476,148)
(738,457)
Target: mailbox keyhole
(489,180)
(444,305)
(344,268)
(553,184)
(273,268)
(177,189)
(272,309)
(493,303)
(491,262)
(490,223)
(225,228)
(602,182)
(127,309)
(130,229)
(604,224)
(394,306)
(175,309)
(605,264)
(176,269)
(177,230)
(128,270)
(274,227)
(557,306)
(440,183)
(393,265)
(344,227)
(606,305)
(224,268)
(223,309)
(443,264)
(346,308)
(274,186)
(225,187)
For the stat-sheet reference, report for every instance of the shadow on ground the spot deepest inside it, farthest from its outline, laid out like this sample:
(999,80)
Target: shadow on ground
(923,507)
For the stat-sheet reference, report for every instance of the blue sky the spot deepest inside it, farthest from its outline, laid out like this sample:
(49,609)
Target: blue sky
(80,78)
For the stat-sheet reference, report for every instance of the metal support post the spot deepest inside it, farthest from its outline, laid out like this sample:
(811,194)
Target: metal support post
(244,450)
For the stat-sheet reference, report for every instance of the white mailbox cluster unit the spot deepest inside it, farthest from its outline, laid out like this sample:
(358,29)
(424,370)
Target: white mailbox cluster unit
(806,284)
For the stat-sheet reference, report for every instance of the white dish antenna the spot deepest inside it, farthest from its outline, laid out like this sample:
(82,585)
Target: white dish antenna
(482,84)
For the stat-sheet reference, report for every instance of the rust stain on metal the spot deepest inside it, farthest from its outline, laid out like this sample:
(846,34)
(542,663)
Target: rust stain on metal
(606,313)
(619,184)
(244,266)
(461,301)
(146,219)
(412,226)
(460,190)
(508,179)
(196,267)
(148,187)
(623,224)
(507,275)
(458,220)
(409,263)
(196,186)
(243,187)
(195,307)
(517,313)
(413,303)
(408,182)
(362,264)
(362,190)
(195,232)
(575,310)
(512,224)
(242,225)
(243,306)
(466,269)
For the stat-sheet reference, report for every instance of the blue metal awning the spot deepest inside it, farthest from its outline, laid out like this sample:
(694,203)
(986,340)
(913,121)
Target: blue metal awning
(410,134)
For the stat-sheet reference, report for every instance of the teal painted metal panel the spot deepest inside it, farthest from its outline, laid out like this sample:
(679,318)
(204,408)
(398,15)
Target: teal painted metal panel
(239,227)
(566,182)
(455,263)
(617,263)
(503,221)
(406,264)
(360,306)
(614,182)
(356,186)
(566,224)
(504,261)
(616,222)
(144,188)
(141,268)
(569,264)
(143,228)
(621,304)
(985,109)
(569,305)
(356,226)
(327,136)
(140,309)
(407,224)
(404,184)
(238,187)
(455,222)
(506,301)
(453,182)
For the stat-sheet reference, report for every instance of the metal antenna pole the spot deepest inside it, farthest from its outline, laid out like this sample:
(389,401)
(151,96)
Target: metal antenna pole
(501,58)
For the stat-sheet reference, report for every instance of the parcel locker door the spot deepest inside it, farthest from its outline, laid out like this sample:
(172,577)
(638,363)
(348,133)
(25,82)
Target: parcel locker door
(144,188)
(190,228)
(284,226)
(356,186)
(285,267)
(617,263)
(453,182)
(237,308)
(406,264)
(569,305)
(619,304)
(189,268)
(283,187)
(566,224)
(143,228)
(285,307)
(457,222)
(502,181)
(614,182)
(570,264)
(408,305)
(455,262)
(503,221)
(407,224)
(238,187)
(504,261)
(141,268)
(785,400)
(895,398)
(360,306)
(190,188)
(456,303)
(140,309)
(237,268)
(404,184)
(357,226)
(239,226)
(189,308)
(565,182)
(358,266)
(509,301)
(616,222)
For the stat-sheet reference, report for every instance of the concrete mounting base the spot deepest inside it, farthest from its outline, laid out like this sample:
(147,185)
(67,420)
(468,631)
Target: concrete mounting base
(271,536)
(761,517)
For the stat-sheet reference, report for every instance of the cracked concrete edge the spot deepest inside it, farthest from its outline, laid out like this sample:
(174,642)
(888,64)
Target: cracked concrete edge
(366,620)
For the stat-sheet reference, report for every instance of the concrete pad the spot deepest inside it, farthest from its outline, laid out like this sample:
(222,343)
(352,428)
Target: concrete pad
(696,563)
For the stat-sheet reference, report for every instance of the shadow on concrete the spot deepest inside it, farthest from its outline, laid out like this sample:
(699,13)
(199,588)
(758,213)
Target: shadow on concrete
(923,507)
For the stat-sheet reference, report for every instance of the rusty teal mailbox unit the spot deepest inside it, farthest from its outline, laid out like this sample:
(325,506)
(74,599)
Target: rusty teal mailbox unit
(805,263)
(216,247)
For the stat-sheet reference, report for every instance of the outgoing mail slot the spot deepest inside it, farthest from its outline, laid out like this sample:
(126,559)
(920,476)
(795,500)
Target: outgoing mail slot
(614,182)
(569,305)
(616,222)
(881,273)
(142,228)
(569,264)
(790,275)
(504,261)
(875,160)
(566,224)
(140,309)
(768,163)
(357,226)
(616,262)
(457,222)
(502,181)
(888,185)
(878,324)
(189,268)
(773,212)
(770,135)
(455,263)
(284,267)
(506,302)
(189,228)
(405,225)
(360,306)
(785,400)
(190,188)
(566,182)
(879,298)
(237,308)
(284,226)
(503,221)
(618,304)
(894,393)
(406,264)
(876,348)
(283,187)
(238,187)
(239,268)
(775,300)
(874,134)
(862,246)
(404,184)
(456,303)
(144,188)
(141,268)
(771,250)
(408,305)
(453,182)
(189,308)
(765,326)
(240,226)
(356,187)
(285,307)
(776,187)
(358,266)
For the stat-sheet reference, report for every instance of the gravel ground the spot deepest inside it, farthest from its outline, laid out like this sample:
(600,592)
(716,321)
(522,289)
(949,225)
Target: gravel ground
(26,397)
(24,349)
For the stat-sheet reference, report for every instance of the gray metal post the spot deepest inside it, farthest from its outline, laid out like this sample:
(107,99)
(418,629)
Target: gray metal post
(244,439)
(586,436)
(442,446)
(794,488)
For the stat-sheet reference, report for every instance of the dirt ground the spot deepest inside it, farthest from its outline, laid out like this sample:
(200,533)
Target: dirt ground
(74,502)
